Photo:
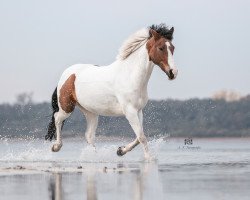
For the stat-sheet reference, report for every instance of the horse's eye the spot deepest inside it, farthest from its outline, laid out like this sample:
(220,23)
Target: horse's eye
(161,48)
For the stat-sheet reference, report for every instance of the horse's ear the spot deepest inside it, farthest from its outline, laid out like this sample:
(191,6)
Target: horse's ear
(171,31)
(154,34)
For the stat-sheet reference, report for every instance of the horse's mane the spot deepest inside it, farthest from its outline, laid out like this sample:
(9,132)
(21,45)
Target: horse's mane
(134,42)
(139,38)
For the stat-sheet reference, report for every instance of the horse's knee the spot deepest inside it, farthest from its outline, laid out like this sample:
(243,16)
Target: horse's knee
(142,139)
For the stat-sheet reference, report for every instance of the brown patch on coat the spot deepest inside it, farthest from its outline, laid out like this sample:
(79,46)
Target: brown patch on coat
(157,50)
(67,97)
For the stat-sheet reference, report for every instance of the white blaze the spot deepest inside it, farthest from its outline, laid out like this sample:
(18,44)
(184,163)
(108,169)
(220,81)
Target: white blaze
(170,57)
(171,60)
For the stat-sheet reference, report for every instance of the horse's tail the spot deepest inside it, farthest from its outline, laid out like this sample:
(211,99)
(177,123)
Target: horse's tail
(52,127)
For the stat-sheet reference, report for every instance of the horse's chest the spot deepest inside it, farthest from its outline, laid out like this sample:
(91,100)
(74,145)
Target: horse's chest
(137,98)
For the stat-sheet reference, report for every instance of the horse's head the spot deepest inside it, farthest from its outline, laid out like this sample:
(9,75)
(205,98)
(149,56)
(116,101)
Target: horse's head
(161,50)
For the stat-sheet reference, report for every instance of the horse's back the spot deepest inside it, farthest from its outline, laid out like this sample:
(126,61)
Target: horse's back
(89,73)
(74,69)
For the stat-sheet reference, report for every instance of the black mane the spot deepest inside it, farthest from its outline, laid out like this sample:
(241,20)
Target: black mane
(163,30)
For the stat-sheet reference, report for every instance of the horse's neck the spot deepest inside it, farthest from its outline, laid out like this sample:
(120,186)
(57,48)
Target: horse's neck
(137,68)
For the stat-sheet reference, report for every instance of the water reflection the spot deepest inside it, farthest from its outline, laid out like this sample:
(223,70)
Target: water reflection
(138,191)
(91,187)
(55,187)
(129,180)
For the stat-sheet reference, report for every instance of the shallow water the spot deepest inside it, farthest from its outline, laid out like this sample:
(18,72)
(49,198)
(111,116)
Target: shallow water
(207,169)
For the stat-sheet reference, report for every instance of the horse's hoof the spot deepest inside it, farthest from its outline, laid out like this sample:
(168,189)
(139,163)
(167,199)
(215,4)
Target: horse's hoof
(120,151)
(56,147)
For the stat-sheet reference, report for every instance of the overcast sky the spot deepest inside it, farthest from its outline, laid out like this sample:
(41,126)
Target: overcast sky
(38,40)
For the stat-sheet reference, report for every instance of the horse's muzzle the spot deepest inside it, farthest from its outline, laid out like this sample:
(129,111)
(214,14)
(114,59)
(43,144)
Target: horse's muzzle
(172,73)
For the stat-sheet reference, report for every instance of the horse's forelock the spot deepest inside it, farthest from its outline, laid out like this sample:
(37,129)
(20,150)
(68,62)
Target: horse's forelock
(163,30)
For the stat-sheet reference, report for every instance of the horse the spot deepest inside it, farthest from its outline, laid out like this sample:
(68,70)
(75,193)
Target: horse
(119,89)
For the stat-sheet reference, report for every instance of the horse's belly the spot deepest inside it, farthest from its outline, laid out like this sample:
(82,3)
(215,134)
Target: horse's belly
(98,98)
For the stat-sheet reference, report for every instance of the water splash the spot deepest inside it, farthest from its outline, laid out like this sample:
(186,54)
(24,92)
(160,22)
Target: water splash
(36,154)
(74,151)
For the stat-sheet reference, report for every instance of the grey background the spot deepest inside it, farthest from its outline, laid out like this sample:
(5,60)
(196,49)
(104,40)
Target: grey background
(39,39)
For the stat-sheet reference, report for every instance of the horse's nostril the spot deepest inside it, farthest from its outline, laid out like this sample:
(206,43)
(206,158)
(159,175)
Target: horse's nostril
(171,74)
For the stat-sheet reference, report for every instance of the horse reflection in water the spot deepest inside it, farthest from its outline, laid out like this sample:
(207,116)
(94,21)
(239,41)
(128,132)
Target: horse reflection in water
(119,89)
(134,185)
(91,187)
(57,192)
(55,187)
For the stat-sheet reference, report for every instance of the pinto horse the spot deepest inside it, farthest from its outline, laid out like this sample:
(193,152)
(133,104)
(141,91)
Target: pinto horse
(119,89)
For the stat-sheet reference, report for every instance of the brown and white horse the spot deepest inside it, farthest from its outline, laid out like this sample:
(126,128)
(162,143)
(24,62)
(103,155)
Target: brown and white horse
(114,90)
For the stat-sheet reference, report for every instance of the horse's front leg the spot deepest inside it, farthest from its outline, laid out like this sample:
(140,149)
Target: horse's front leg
(135,120)
(125,149)
(92,122)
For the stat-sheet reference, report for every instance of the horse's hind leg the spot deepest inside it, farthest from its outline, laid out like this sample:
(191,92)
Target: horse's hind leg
(66,102)
(60,117)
